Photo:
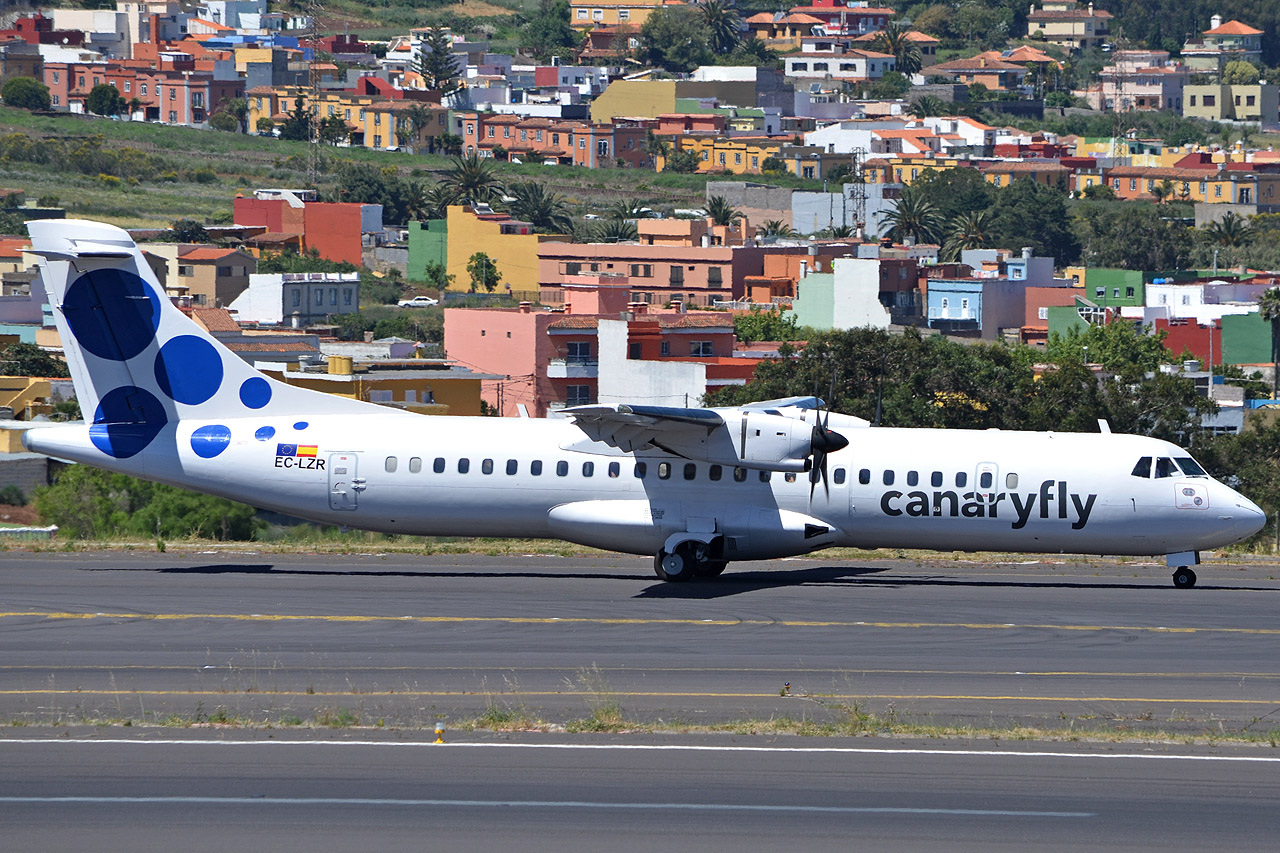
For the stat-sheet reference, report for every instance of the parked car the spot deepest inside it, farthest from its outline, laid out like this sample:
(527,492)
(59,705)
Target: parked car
(419,302)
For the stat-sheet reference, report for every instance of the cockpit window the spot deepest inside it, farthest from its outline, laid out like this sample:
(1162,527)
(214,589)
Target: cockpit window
(1143,468)
(1191,467)
(1165,468)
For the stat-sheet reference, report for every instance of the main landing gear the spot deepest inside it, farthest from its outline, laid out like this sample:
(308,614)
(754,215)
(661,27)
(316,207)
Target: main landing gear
(687,560)
(1184,578)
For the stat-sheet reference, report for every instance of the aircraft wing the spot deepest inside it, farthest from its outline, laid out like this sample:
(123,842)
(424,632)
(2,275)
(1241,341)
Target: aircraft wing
(631,428)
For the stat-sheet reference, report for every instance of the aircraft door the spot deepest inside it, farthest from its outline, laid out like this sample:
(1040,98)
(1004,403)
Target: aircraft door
(986,480)
(345,483)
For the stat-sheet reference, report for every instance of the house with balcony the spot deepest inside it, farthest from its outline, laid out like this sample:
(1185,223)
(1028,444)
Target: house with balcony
(1140,80)
(847,17)
(1069,24)
(840,64)
(1223,43)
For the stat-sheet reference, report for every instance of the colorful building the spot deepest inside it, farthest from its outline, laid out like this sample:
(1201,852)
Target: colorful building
(334,229)
(509,243)
(543,140)
(1069,24)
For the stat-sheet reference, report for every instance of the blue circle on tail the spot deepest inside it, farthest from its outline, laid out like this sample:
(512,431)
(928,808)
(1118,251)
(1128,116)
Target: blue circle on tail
(264,433)
(209,441)
(126,421)
(255,393)
(112,313)
(188,369)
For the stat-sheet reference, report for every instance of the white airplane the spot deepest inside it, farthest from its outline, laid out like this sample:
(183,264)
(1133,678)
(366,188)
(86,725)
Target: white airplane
(696,488)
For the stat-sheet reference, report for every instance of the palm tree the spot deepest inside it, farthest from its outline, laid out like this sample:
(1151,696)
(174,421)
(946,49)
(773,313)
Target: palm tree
(754,48)
(929,105)
(914,217)
(613,231)
(1269,308)
(472,178)
(429,201)
(1231,230)
(721,212)
(836,232)
(545,210)
(724,24)
(968,231)
(631,208)
(894,41)
(775,228)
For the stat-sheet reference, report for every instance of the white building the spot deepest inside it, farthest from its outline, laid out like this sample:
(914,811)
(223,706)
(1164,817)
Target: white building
(297,299)
(840,64)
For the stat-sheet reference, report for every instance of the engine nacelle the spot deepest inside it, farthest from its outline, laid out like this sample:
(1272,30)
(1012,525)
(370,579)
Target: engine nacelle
(752,439)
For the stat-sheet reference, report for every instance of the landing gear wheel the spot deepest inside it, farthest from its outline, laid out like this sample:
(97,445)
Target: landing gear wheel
(710,568)
(674,567)
(1184,578)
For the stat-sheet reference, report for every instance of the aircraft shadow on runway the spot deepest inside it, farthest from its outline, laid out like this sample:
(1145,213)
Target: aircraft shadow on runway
(729,584)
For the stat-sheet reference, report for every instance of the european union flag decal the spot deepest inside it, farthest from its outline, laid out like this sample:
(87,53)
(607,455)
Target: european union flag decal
(286,450)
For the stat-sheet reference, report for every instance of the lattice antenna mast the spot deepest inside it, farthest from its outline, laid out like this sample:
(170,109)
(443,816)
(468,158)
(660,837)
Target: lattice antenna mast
(858,192)
(313,9)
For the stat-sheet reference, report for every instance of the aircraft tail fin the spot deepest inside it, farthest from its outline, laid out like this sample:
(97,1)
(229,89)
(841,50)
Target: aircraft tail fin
(137,362)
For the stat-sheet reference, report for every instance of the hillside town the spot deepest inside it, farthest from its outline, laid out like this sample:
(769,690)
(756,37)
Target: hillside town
(861,171)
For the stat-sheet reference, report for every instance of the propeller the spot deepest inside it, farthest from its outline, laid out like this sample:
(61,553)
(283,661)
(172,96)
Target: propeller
(824,442)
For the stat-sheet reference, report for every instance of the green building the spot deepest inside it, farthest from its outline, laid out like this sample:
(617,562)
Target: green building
(1246,339)
(428,244)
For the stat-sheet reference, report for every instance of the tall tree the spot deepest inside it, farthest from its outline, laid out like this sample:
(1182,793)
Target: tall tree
(418,118)
(915,218)
(436,63)
(676,38)
(239,108)
(26,93)
(297,124)
(104,100)
(548,32)
(1231,230)
(545,210)
(723,23)
(1027,213)
(967,231)
(895,40)
(721,212)
(484,272)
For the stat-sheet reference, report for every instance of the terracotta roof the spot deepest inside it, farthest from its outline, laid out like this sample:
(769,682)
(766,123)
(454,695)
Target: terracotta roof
(909,35)
(1233,28)
(215,319)
(1170,172)
(206,254)
(1015,166)
(572,322)
(695,321)
(974,64)
(851,11)
(793,18)
(244,346)
(222,28)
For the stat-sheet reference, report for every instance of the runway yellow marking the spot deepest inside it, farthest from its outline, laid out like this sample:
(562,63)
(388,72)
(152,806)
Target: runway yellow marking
(636,695)
(585,620)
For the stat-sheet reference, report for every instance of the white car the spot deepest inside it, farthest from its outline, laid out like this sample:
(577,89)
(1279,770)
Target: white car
(419,302)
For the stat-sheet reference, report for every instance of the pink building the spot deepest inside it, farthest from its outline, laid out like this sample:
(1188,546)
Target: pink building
(171,93)
(551,358)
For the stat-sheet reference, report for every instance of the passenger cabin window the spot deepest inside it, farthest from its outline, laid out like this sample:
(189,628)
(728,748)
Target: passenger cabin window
(765,476)
(739,475)
(715,472)
(690,470)
(664,470)
(391,464)
(1011,481)
(641,470)
(415,465)
(562,468)
(985,480)
(1143,468)
(864,476)
(838,477)
(936,479)
(512,467)
(913,478)
(535,467)
(790,476)
(464,465)
(614,469)
(486,467)
(438,465)
(588,469)
(1165,468)
(961,479)
(888,478)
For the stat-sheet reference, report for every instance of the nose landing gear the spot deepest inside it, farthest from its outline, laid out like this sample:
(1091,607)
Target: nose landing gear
(1184,578)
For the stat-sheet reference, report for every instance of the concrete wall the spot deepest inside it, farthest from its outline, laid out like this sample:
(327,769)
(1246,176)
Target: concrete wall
(428,244)
(846,298)
(1246,339)
(653,383)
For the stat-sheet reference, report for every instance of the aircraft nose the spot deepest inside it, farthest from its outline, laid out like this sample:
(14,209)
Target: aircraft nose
(1247,516)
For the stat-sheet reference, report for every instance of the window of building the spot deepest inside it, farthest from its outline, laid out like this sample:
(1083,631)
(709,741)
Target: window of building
(701,348)
(597,14)
(624,14)
(715,277)
(347,296)
(1133,183)
(582,142)
(1249,100)
(677,274)
(173,117)
(319,297)
(819,66)
(128,85)
(1193,100)
(577,395)
(186,269)
(173,93)
(666,348)
(642,270)
(1210,100)
(390,465)
(807,172)
(1217,190)
(799,66)
(578,352)
(582,14)
(57,99)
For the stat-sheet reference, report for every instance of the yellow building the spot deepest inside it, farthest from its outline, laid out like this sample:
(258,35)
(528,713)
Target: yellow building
(372,121)
(1069,24)
(634,98)
(904,170)
(26,397)
(611,13)
(427,387)
(721,154)
(511,245)
(1050,173)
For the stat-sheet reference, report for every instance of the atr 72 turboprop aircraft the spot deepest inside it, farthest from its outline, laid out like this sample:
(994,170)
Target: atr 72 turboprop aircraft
(696,488)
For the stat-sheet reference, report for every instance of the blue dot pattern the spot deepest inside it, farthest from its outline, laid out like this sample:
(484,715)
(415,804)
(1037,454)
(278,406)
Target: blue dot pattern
(126,421)
(265,433)
(301,425)
(112,313)
(188,369)
(255,393)
(209,441)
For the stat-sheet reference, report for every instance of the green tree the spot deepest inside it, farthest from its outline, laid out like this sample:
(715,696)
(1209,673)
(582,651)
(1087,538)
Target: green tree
(1131,236)
(915,218)
(1269,309)
(761,325)
(25,93)
(104,100)
(721,212)
(614,231)
(264,126)
(955,192)
(772,166)
(752,51)
(930,105)
(548,32)
(297,123)
(1121,347)
(776,228)
(450,144)
(188,231)
(723,23)
(224,122)
(682,162)
(935,20)
(1027,213)
(484,272)
(1240,73)
(891,85)
(895,40)
(366,183)
(428,201)
(1231,230)
(310,262)
(418,118)
(472,179)
(676,38)
(436,63)
(967,231)
(545,210)
(29,360)
(239,109)
(333,130)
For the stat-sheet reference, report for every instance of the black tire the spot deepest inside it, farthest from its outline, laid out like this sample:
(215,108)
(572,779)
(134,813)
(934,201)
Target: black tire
(1184,578)
(710,568)
(675,567)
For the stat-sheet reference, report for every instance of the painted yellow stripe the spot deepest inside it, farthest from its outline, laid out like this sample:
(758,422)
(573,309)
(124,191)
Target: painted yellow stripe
(582,620)
(640,694)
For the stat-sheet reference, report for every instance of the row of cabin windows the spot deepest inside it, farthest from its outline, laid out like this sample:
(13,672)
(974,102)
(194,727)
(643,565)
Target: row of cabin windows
(986,479)
(664,470)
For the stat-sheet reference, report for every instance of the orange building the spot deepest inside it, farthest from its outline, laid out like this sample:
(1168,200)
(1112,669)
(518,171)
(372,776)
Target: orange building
(334,229)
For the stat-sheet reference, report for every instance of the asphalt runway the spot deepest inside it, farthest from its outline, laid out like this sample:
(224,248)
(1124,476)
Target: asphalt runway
(539,793)
(404,641)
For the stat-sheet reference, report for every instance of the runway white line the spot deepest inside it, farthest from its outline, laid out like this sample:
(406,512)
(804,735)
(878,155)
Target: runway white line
(643,747)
